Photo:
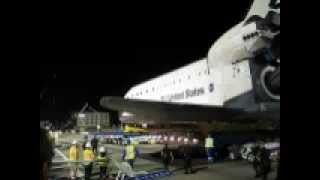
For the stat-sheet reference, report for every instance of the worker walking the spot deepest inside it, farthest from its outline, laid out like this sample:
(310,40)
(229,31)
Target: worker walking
(262,162)
(265,162)
(130,153)
(209,145)
(167,156)
(88,157)
(256,161)
(187,156)
(74,155)
(94,143)
(103,161)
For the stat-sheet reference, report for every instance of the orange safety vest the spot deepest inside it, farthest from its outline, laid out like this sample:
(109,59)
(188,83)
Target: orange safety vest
(88,155)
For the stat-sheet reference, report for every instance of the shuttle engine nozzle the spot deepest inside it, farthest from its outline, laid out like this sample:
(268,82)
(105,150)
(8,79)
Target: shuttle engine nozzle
(270,81)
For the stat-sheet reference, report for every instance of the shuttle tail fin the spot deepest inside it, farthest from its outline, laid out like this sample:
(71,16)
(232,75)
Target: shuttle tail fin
(261,7)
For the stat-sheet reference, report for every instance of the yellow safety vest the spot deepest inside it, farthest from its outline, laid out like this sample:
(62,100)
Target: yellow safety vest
(130,152)
(88,155)
(73,153)
(209,143)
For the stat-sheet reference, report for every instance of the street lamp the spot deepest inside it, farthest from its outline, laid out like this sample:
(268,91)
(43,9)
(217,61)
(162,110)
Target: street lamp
(195,141)
(145,125)
(186,140)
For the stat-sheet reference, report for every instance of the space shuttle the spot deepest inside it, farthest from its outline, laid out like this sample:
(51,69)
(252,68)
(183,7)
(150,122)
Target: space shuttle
(238,80)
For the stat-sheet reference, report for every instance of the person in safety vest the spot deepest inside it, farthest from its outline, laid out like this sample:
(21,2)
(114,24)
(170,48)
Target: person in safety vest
(74,156)
(88,157)
(209,145)
(103,161)
(130,153)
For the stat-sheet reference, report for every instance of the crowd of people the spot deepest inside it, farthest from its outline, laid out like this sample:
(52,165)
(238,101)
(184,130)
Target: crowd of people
(90,156)
(93,156)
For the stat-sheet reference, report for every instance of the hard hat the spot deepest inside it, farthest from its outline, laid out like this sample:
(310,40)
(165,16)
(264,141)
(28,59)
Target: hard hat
(102,150)
(88,145)
(74,142)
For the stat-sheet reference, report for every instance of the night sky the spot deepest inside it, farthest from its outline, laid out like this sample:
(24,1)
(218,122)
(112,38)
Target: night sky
(93,61)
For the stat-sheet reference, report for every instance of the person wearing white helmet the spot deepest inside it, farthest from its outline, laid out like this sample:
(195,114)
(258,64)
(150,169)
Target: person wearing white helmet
(103,161)
(88,157)
(85,142)
(102,150)
(88,145)
(74,156)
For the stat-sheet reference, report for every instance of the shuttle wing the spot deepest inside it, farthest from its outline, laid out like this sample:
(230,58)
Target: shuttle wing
(145,110)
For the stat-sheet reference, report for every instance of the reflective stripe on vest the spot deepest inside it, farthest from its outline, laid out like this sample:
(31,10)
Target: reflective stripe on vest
(209,143)
(130,152)
(102,161)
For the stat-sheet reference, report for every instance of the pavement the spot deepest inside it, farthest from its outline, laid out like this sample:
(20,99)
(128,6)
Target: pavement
(238,170)
(232,170)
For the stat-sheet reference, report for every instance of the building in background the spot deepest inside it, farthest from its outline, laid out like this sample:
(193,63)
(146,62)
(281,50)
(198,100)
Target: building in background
(89,119)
